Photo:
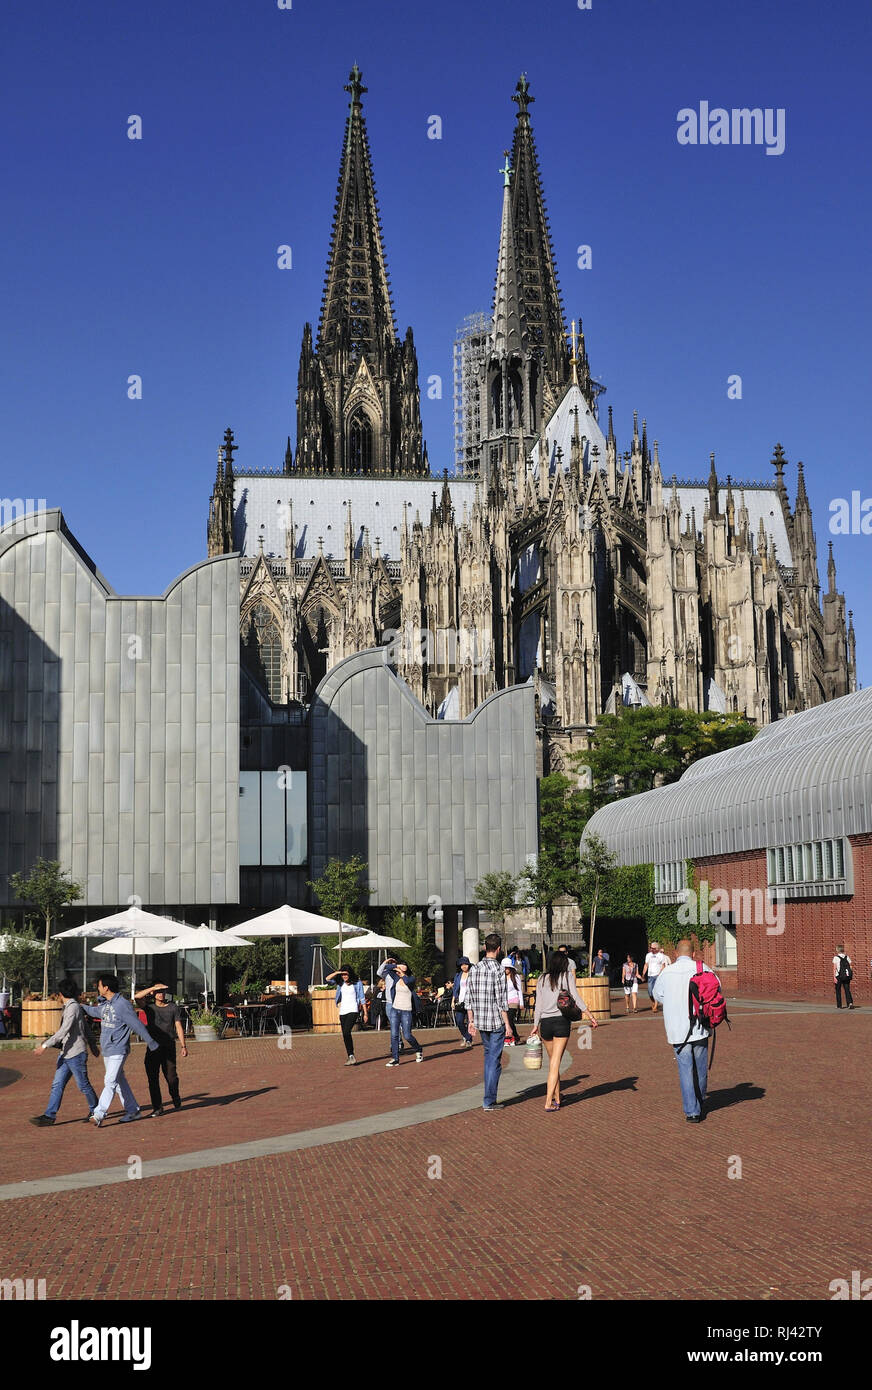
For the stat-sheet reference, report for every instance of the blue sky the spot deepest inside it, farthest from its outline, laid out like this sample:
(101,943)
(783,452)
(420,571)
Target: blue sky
(158,257)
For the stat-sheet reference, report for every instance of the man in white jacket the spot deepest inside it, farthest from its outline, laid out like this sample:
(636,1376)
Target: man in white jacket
(672,990)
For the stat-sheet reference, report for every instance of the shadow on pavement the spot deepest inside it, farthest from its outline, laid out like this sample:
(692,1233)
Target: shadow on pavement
(743,1090)
(7,1076)
(626,1083)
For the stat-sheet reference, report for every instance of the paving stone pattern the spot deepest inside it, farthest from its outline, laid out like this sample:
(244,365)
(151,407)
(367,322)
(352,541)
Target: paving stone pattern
(790,1098)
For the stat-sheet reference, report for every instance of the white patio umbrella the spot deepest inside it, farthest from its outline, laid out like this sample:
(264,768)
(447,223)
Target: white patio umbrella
(132,924)
(371,942)
(203,938)
(126,946)
(291,921)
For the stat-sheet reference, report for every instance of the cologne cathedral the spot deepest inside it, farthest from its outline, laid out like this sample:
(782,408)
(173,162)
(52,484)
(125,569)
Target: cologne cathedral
(548,554)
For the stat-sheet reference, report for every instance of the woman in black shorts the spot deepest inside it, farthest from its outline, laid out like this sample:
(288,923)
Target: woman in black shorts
(550,1024)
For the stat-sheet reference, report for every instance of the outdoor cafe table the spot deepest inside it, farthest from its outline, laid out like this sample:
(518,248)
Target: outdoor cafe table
(249,1016)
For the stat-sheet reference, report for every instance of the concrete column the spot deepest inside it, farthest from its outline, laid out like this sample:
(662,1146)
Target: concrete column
(449,939)
(471,947)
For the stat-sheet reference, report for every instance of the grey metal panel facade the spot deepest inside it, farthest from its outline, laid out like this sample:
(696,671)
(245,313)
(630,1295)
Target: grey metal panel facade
(430,804)
(128,711)
(807,777)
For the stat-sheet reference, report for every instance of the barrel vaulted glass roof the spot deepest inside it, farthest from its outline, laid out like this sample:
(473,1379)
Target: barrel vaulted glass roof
(806,777)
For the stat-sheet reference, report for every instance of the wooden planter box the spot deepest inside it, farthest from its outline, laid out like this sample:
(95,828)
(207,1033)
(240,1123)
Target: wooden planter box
(40,1019)
(325,1015)
(595,993)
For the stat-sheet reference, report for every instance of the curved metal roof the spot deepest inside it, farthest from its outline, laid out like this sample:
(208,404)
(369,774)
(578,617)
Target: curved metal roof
(807,777)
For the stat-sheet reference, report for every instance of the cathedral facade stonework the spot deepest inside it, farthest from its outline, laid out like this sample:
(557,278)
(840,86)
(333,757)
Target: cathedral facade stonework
(551,556)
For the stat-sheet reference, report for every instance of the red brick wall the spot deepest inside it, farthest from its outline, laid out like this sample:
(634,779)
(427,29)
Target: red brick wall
(797,964)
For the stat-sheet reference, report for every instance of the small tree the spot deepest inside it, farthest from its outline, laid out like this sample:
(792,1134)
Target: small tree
(542,884)
(50,889)
(497,894)
(342,892)
(596,864)
(20,958)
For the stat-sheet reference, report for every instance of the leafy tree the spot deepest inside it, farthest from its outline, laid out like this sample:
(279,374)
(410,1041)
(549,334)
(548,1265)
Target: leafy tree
(342,893)
(543,883)
(595,866)
(254,966)
(564,810)
(50,889)
(638,749)
(497,894)
(20,958)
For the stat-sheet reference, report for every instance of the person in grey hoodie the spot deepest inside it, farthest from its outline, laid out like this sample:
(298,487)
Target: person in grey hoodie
(118,1019)
(73,1041)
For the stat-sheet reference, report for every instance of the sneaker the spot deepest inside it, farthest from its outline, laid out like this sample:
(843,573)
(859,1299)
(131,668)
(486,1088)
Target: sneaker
(352,1062)
(95,1120)
(177,1105)
(850,1006)
(392,1063)
(489,1109)
(419,1056)
(42,1120)
(158,1110)
(693,1119)
(128,1119)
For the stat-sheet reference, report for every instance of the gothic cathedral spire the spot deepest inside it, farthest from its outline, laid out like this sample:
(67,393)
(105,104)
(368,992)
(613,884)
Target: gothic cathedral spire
(358,402)
(542,303)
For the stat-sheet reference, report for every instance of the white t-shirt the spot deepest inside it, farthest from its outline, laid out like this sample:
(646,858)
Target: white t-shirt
(837,960)
(461,991)
(656,961)
(348,1001)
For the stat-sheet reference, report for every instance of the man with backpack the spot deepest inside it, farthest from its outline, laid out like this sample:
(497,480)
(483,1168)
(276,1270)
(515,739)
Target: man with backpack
(843,974)
(691,1011)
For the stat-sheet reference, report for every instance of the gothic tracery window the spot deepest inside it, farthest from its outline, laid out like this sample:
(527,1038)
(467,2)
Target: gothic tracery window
(359,443)
(263,645)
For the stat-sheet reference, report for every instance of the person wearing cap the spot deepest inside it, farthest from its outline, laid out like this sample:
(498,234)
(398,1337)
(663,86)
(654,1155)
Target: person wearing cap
(461,985)
(515,996)
(655,961)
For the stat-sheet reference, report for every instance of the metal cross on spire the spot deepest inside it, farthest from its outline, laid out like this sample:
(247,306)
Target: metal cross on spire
(355,85)
(522,94)
(506,170)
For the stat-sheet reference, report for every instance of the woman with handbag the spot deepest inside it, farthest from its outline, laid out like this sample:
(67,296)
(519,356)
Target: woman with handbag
(350,1000)
(558,1005)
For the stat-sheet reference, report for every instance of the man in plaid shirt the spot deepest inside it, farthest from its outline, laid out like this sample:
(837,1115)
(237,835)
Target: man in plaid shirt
(487,1006)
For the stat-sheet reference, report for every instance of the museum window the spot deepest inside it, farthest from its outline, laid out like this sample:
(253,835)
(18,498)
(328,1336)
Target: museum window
(272,819)
(811,868)
(670,882)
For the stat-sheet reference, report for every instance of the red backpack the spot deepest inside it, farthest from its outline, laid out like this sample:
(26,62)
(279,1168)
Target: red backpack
(706,1005)
(706,1001)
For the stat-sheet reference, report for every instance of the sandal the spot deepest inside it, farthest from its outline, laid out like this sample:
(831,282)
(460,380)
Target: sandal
(552,1107)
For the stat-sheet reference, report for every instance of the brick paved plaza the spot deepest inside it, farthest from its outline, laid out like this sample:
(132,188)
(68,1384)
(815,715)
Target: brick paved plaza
(789,1098)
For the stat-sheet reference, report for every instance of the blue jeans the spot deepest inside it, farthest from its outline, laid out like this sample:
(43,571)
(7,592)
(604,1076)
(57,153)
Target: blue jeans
(402,1019)
(685,1057)
(77,1067)
(460,1017)
(115,1080)
(493,1044)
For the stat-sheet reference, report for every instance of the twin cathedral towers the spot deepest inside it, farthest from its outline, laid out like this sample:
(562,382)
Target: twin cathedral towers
(548,555)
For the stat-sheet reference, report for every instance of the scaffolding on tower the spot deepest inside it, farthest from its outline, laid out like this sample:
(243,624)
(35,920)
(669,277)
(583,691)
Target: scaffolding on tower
(469,351)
